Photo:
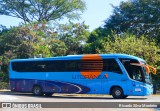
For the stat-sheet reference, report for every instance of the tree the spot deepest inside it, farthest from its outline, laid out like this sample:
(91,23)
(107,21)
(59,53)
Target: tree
(129,44)
(20,42)
(3,28)
(61,39)
(70,38)
(15,43)
(140,17)
(95,41)
(141,47)
(17,38)
(40,10)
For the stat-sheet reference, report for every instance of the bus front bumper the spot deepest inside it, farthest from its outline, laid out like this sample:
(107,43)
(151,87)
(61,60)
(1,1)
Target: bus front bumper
(148,90)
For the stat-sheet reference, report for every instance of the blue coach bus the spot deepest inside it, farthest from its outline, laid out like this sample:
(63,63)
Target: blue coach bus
(119,75)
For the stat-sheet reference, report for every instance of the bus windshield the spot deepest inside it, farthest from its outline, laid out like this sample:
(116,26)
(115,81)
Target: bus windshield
(147,69)
(148,78)
(136,71)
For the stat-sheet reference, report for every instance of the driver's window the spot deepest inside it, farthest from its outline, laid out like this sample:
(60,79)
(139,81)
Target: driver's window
(136,71)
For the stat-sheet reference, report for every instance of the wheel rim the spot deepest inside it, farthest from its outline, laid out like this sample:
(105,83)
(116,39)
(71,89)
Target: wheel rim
(117,92)
(37,90)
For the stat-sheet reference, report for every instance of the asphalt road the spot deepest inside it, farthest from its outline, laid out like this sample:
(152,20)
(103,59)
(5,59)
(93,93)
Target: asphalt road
(66,98)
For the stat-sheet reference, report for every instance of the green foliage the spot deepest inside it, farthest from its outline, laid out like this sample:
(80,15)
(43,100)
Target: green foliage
(5,76)
(60,39)
(42,49)
(129,44)
(95,41)
(17,42)
(1,75)
(70,38)
(39,10)
(58,48)
(140,17)
(4,85)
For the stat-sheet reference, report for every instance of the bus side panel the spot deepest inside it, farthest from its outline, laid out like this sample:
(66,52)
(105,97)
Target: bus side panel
(25,85)
(115,79)
(56,82)
(65,87)
(95,86)
(12,85)
(65,82)
(24,81)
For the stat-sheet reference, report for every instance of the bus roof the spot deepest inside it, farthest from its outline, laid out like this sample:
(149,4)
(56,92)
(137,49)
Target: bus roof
(77,57)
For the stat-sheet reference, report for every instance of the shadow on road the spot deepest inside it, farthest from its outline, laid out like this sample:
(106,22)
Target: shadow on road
(71,96)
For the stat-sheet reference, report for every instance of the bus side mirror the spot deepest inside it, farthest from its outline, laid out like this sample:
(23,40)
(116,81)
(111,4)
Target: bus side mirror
(152,68)
(147,69)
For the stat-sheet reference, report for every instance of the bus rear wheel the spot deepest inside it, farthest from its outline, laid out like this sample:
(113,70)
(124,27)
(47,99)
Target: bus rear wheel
(37,91)
(117,93)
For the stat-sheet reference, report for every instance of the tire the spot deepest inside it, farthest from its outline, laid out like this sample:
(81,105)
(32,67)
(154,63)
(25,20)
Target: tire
(117,93)
(37,91)
(48,94)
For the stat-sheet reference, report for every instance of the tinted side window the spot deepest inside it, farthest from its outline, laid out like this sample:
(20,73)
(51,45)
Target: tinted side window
(71,65)
(30,66)
(46,66)
(111,65)
(66,66)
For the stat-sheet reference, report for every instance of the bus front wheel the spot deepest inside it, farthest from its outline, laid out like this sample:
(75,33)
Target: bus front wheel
(117,93)
(37,91)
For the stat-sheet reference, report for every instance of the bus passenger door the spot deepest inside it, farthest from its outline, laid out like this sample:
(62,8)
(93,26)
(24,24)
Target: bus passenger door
(136,80)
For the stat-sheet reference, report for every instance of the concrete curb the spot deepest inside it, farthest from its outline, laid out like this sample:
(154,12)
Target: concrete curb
(5,90)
